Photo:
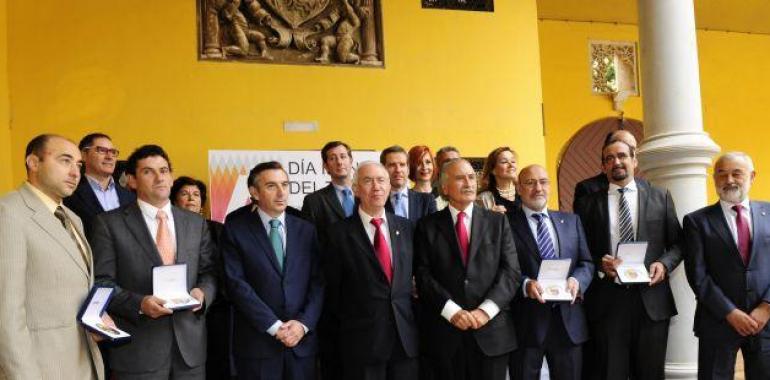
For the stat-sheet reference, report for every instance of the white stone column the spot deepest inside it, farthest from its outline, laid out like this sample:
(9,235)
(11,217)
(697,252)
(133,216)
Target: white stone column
(676,152)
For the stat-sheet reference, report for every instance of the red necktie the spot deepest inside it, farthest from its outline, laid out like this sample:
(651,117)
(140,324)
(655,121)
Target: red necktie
(462,236)
(744,235)
(382,250)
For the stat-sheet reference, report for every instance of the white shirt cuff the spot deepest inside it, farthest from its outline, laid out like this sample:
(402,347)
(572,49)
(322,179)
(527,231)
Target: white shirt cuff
(524,288)
(490,308)
(577,282)
(449,310)
(304,327)
(274,328)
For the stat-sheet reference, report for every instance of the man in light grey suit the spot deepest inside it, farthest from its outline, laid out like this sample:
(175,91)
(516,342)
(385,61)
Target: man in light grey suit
(45,271)
(128,242)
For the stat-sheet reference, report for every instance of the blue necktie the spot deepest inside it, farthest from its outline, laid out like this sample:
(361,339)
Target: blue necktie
(347,202)
(276,241)
(544,242)
(398,207)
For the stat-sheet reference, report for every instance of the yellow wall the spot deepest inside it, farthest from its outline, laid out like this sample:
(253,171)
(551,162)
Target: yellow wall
(734,83)
(6,179)
(471,79)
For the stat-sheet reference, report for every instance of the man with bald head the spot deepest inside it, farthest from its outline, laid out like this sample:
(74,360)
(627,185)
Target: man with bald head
(369,281)
(467,273)
(555,331)
(728,267)
(599,182)
(46,271)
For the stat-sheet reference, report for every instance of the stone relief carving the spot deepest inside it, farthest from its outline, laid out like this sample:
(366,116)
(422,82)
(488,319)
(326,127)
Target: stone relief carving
(339,32)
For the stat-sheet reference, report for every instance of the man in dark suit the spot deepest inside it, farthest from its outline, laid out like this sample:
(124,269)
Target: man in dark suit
(97,190)
(324,208)
(403,201)
(128,243)
(553,330)
(629,323)
(599,182)
(728,267)
(370,282)
(467,273)
(276,287)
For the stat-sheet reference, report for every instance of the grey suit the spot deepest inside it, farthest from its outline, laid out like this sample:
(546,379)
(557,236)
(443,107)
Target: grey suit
(43,282)
(125,254)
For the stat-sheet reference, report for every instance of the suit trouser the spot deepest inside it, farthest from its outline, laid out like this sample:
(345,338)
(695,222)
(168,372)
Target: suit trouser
(285,366)
(398,367)
(716,358)
(564,357)
(468,362)
(174,369)
(628,342)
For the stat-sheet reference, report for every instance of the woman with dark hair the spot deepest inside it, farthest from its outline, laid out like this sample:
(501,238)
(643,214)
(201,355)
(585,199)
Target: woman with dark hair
(498,181)
(190,194)
(422,170)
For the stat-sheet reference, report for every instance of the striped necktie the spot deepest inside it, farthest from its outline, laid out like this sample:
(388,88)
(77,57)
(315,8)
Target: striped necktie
(544,242)
(624,218)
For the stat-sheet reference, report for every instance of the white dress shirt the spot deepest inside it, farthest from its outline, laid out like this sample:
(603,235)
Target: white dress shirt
(150,214)
(613,208)
(366,219)
(450,307)
(730,214)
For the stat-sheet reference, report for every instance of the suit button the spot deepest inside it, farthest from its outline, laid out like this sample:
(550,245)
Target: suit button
(465,282)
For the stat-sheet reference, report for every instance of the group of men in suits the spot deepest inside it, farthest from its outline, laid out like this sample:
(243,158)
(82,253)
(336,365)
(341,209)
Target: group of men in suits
(340,280)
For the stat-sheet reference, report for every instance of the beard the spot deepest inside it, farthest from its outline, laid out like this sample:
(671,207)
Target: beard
(732,193)
(618,175)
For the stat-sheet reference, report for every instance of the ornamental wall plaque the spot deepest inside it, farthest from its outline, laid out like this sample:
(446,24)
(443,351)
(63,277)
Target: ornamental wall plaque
(323,32)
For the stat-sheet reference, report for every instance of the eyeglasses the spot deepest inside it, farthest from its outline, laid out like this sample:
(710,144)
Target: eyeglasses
(533,182)
(104,151)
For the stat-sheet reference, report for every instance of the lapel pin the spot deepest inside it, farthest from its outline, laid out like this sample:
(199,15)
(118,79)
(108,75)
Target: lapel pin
(397,233)
(763,213)
(561,221)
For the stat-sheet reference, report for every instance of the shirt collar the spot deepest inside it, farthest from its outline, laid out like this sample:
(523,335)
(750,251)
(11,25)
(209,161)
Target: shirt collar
(339,188)
(613,189)
(97,186)
(727,207)
(49,203)
(404,192)
(151,211)
(529,212)
(266,218)
(367,219)
(468,211)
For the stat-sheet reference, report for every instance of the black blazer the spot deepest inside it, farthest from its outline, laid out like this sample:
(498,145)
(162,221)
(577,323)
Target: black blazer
(657,225)
(492,273)
(323,209)
(532,317)
(372,314)
(84,203)
(716,272)
(420,204)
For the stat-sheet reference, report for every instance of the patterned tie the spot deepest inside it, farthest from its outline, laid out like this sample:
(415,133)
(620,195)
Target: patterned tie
(544,242)
(398,206)
(381,250)
(67,224)
(276,241)
(624,218)
(347,202)
(744,235)
(163,239)
(462,236)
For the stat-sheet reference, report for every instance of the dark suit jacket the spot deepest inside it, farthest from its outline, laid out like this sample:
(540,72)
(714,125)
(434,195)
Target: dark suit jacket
(596,183)
(263,293)
(372,314)
(83,202)
(420,204)
(124,255)
(492,273)
(716,272)
(532,317)
(323,209)
(657,225)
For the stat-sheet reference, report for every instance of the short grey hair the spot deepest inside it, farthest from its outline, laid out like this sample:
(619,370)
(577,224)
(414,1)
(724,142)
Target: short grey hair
(736,156)
(443,176)
(365,164)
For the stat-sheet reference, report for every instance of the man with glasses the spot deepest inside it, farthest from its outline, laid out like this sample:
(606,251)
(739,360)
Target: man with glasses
(97,190)
(629,323)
